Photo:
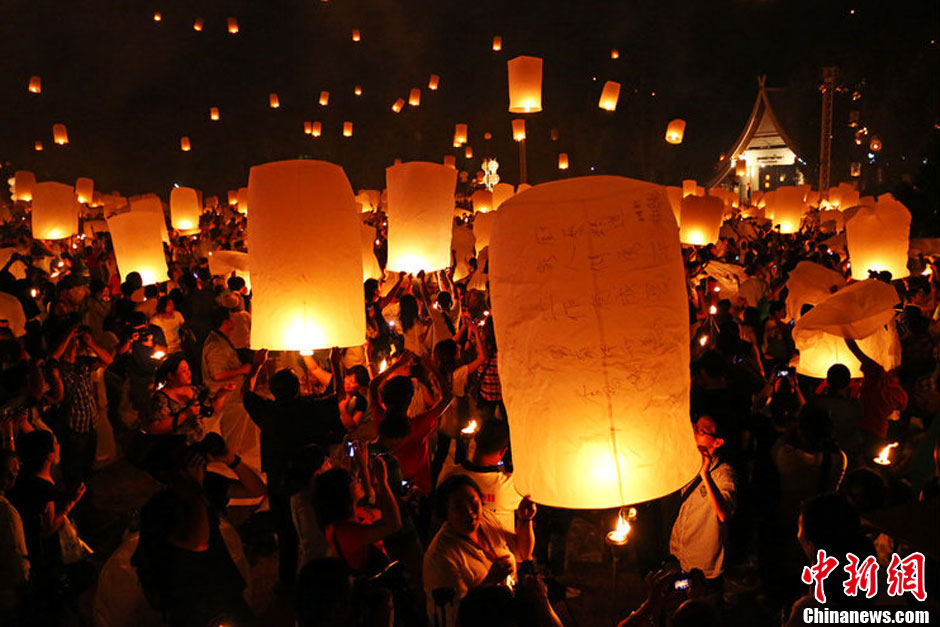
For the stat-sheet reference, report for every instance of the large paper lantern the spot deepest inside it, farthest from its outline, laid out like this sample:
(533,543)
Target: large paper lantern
(397,105)
(788,208)
(577,276)
(497,43)
(675,131)
(214,114)
(462,244)
(483,229)
(562,160)
(414,97)
(273,101)
(518,129)
(877,239)
(700,219)
(370,199)
(674,194)
(433,82)
(809,284)
(347,129)
(468,152)
(304,217)
(184,210)
(609,96)
(819,351)
(482,201)
(55,211)
(138,246)
(232,26)
(460,133)
(23,183)
(84,189)
(501,193)
(689,188)
(35,85)
(152,204)
(324,98)
(233,197)
(59,134)
(855,311)
(525,84)
(243,200)
(11,310)
(420,213)
(228,262)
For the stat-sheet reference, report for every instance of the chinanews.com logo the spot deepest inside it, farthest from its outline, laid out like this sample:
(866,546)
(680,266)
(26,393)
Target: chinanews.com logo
(903,576)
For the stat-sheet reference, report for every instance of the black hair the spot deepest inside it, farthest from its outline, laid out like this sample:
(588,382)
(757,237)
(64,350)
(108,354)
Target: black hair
(301,466)
(445,353)
(170,366)
(838,377)
(488,606)
(34,449)
(161,304)
(235,283)
(448,487)
(151,291)
(219,316)
(333,499)
(361,374)
(395,428)
(323,586)
(284,384)
(370,287)
(865,489)
(397,394)
(492,437)
(408,312)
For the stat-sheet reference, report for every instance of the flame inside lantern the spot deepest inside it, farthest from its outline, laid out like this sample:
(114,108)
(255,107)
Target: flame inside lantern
(713,310)
(471,428)
(621,532)
(884,458)
(383,366)
(158,354)
(703,340)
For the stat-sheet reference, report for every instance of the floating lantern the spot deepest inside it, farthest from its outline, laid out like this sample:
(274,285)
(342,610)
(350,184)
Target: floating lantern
(35,85)
(355,34)
(788,208)
(471,428)
(347,129)
(38,146)
(151,203)
(227,262)
(562,160)
(308,128)
(370,265)
(397,105)
(324,98)
(525,84)
(482,201)
(414,97)
(674,194)
(23,183)
(468,153)
(184,144)
(554,134)
(55,211)
(184,210)
(357,90)
(197,25)
(316,129)
(689,188)
(632,440)
(614,53)
(874,144)
(497,43)
(11,310)
(878,239)
(243,200)
(855,169)
(420,214)
(304,206)
(450,161)
(232,197)
(487,136)
(60,134)
(820,350)
(157,16)
(675,131)
(460,133)
(609,96)
(483,229)
(273,101)
(138,246)
(810,284)
(518,130)
(740,168)
(84,189)
(700,219)
(232,26)
(433,82)
(501,193)
(214,114)
(884,457)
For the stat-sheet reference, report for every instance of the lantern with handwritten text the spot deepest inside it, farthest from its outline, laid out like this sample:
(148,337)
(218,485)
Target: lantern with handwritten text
(420,213)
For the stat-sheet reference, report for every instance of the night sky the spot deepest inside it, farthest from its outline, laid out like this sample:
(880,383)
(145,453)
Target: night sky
(128,88)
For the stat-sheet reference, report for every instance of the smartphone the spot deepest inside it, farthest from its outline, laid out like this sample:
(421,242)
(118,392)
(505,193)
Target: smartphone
(783,372)
(681,584)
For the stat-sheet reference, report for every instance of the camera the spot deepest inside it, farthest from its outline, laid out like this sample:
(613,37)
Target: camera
(206,410)
(783,372)
(683,583)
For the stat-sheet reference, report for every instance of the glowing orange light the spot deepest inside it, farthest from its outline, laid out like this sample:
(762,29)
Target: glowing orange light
(214,113)
(884,458)
(621,532)
(702,341)
(383,366)
(471,428)
(232,26)
(197,25)
(157,17)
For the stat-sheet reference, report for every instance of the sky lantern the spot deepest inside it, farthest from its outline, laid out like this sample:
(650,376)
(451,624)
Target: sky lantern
(450,161)
(35,85)
(324,98)
(620,434)
(397,105)
(370,199)
(874,144)
(233,197)
(740,168)
(151,203)
(157,16)
(433,82)
(468,152)
(483,229)
(674,195)
(877,238)
(316,129)
(518,129)
(243,200)
(462,243)
(84,189)
(357,90)
(197,25)
(23,183)
(308,128)
(614,53)
(562,160)
(185,146)
(304,216)
(525,84)
(347,129)
(214,114)
(420,213)
(609,96)
(810,284)
(55,211)
(226,262)
(232,26)
(460,133)
(689,187)
(273,101)
(700,219)
(138,246)
(788,208)
(59,134)
(38,146)
(482,201)
(414,97)
(370,265)
(355,35)
(501,193)
(675,130)
(184,210)
(497,43)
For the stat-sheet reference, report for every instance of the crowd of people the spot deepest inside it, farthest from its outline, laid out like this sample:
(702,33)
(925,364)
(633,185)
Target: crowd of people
(387,467)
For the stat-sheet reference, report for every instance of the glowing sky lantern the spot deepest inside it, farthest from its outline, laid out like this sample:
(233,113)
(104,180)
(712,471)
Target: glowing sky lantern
(819,351)
(233,197)
(151,203)
(184,210)
(59,134)
(355,35)
(450,161)
(700,219)
(55,211)
(35,85)
(157,16)
(397,105)
(357,90)
(433,82)
(617,433)
(609,96)
(308,128)
(675,130)
(740,168)
(420,214)
(501,193)
(214,113)
(788,208)
(460,133)
(810,284)
(614,53)
(468,152)
(226,262)
(674,194)
(324,98)
(688,188)
(525,84)
(878,239)
(84,189)
(11,310)
(37,146)
(497,43)
(273,101)
(316,129)
(518,129)
(242,200)
(482,201)
(197,24)
(370,265)
(562,160)
(232,26)
(874,144)
(185,146)
(347,129)
(23,183)
(304,216)
(483,229)
(138,246)
(414,97)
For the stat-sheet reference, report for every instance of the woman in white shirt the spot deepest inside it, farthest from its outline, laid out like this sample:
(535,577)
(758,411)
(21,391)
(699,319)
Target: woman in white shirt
(170,320)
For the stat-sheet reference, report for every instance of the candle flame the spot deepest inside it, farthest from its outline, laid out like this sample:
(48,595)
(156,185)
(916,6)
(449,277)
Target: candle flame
(471,428)
(717,289)
(884,458)
(33,292)
(383,366)
(713,310)
(621,532)
(703,340)
(927,271)
(158,355)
